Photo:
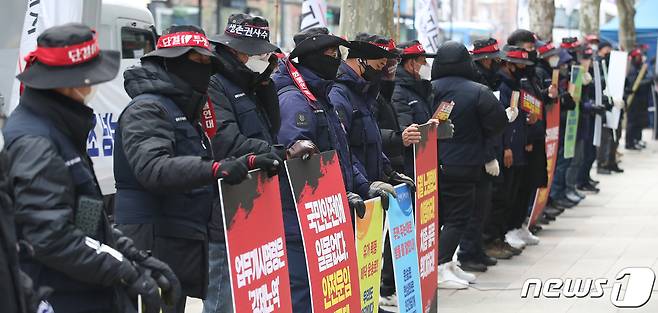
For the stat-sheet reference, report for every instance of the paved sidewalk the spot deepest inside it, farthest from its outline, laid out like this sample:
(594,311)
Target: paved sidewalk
(607,232)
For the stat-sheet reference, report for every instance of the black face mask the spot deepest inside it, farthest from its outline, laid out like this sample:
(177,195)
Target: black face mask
(518,74)
(323,65)
(197,75)
(369,73)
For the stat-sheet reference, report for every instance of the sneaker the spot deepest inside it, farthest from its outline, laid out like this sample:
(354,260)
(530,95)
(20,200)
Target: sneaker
(615,168)
(527,236)
(514,240)
(534,229)
(391,300)
(552,211)
(573,197)
(593,182)
(603,171)
(460,273)
(448,279)
(588,187)
(495,250)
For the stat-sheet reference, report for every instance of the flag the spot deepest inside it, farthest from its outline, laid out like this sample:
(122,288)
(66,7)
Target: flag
(40,15)
(427,25)
(314,14)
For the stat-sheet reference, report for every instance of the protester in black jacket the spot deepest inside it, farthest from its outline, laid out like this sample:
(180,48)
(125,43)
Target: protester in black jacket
(247,116)
(165,174)
(11,294)
(637,109)
(60,218)
(476,116)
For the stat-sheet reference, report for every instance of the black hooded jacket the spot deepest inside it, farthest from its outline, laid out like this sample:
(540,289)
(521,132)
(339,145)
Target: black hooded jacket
(148,136)
(246,109)
(389,128)
(477,114)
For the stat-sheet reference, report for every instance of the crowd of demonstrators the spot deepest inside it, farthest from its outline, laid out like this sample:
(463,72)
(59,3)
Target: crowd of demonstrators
(204,109)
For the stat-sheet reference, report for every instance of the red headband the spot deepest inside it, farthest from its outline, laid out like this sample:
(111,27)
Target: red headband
(487,49)
(413,49)
(518,54)
(183,39)
(545,48)
(570,45)
(389,46)
(65,56)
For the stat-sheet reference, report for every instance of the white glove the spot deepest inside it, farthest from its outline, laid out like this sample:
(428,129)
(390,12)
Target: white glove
(587,78)
(492,168)
(512,113)
(618,103)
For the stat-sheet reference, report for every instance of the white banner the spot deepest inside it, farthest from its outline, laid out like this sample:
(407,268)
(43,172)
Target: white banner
(427,25)
(40,15)
(314,14)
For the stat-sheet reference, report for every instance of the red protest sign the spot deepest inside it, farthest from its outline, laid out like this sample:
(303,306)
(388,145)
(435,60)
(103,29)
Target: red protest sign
(326,227)
(427,214)
(257,256)
(531,104)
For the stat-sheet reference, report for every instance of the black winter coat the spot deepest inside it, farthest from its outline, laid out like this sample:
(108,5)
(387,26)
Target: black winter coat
(389,128)
(477,115)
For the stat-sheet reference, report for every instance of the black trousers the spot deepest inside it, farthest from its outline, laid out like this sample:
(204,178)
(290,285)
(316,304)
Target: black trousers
(472,246)
(504,195)
(456,205)
(606,154)
(387,286)
(520,205)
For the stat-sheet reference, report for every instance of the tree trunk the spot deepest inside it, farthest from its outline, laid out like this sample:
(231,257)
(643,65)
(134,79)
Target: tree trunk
(542,13)
(626,11)
(370,16)
(589,17)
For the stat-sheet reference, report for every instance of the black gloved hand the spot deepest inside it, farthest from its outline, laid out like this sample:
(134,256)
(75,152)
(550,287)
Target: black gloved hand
(381,189)
(232,170)
(268,162)
(279,150)
(598,110)
(160,271)
(356,204)
(139,282)
(302,149)
(32,297)
(397,178)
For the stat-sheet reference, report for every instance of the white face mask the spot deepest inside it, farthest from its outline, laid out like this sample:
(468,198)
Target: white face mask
(554,60)
(595,47)
(258,63)
(90,96)
(425,72)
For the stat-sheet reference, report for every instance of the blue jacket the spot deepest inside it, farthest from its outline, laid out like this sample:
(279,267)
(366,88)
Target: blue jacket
(354,99)
(317,122)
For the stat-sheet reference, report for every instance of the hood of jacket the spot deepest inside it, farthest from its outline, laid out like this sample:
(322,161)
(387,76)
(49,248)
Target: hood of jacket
(422,87)
(348,77)
(465,69)
(150,77)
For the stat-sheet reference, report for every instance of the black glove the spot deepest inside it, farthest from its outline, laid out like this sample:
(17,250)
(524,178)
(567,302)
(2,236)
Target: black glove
(598,110)
(138,281)
(268,162)
(396,178)
(280,151)
(160,271)
(302,149)
(356,204)
(232,170)
(32,297)
(381,189)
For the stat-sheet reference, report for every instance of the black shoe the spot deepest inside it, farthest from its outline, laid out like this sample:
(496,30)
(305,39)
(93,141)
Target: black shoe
(563,203)
(548,217)
(634,147)
(535,229)
(587,187)
(593,182)
(487,260)
(472,266)
(554,212)
(603,171)
(616,169)
(511,249)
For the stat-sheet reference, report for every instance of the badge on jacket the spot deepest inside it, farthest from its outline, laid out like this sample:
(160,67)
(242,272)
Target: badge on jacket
(301,120)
